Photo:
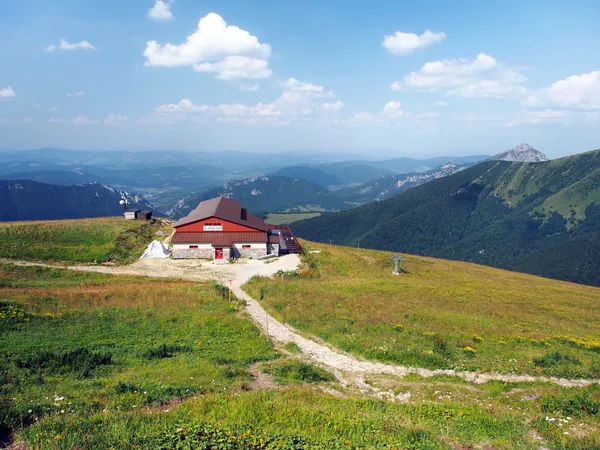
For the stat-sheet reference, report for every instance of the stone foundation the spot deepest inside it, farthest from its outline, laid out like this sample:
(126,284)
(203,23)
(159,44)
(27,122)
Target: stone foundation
(194,253)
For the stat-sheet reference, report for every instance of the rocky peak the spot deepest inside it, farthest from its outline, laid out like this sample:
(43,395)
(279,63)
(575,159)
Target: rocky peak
(521,153)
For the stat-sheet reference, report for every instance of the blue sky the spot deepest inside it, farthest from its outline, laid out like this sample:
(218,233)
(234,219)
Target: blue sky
(393,78)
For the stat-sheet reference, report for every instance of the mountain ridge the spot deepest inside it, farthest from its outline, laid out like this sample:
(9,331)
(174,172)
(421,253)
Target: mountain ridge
(497,213)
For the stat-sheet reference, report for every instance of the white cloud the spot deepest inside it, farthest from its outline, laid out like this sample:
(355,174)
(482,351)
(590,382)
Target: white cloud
(541,117)
(575,92)
(76,94)
(334,107)
(56,121)
(53,108)
(215,47)
(298,101)
(3,120)
(70,46)
(482,77)
(248,87)
(7,92)
(84,120)
(293,85)
(441,103)
(26,120)
(391,110)
(161,11)
(114,119)
(37,105)
(234,67)
(404,43)
(427,115)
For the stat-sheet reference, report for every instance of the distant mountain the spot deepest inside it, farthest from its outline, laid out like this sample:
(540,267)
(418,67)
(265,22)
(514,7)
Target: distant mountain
(312,174)
(61,177)
(390,185)
(408,165)
(521,153)
(268,194)
(541,218)
(352,172)
(30,200)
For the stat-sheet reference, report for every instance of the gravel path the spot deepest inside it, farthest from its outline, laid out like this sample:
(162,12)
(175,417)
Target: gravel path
(349,369)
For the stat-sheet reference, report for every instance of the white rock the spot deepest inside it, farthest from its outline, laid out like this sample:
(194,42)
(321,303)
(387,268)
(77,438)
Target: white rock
(156,249)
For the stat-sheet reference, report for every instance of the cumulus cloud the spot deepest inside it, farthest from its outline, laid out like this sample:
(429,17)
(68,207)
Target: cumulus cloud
(53,108)
(234,67)
(404,43)
(391,110)
(76,94)
(114,119)
(333,107)
(161,11)
(64,45)
(541,117)
(7,92)
(217,47)
(482,77)
(575,92)
(298,101)
(84,120)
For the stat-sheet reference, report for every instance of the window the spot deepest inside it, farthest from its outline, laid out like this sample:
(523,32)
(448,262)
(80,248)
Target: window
(244,246)
(193,247)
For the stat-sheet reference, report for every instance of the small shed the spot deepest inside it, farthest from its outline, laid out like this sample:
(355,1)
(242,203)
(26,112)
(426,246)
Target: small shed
(143,215)
(129,215)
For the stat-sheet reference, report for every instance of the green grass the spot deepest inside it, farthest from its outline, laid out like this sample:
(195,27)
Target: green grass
(82,240)
(439,314)
(93,361)
(294,371)
(116,345)
(286,219)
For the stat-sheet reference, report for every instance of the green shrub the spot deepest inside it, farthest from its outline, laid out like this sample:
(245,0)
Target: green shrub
(584,403)
(165,351)
(553,359)
(298,372)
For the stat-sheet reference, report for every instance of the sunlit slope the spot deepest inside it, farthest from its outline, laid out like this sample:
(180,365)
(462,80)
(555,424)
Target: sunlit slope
(440,313)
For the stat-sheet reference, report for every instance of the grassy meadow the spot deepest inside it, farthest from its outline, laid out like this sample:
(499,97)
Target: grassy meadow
(439,313)
(78,240)
(96,361)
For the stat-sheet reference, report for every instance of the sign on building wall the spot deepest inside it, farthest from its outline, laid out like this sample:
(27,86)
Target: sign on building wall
(213,227)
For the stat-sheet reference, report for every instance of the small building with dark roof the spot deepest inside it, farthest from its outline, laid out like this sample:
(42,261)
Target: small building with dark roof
(219,229)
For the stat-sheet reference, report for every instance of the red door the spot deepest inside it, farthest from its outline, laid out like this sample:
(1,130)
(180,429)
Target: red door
(218,253)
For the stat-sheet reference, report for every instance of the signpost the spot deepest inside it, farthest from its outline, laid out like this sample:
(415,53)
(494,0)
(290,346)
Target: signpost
(398,260)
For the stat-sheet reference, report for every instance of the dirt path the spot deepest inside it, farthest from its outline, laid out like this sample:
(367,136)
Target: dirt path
(349,369)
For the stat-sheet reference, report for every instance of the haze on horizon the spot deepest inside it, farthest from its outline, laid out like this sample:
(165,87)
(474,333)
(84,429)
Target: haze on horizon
(418,79)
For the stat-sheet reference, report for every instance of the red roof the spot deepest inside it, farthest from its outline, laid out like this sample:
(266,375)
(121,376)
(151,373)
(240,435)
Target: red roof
(223,208)
(220,239)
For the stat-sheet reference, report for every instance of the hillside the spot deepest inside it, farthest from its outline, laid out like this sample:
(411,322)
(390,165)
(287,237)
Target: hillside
(269,194)
(311,174)
(30,200)
(60,177)
(79,240)
(428,314)
(541,218)
(390,185)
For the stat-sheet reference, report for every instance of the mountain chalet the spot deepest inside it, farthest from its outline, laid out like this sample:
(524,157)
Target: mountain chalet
(220,229)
